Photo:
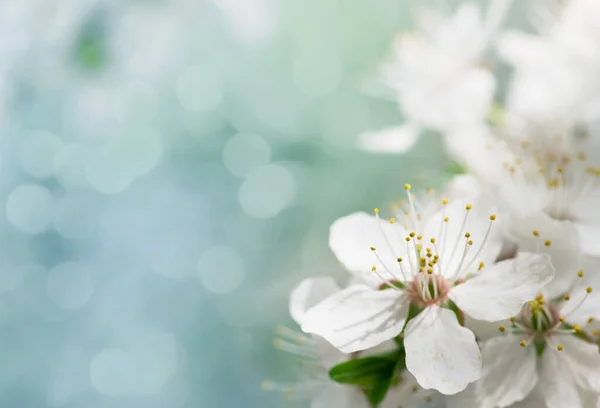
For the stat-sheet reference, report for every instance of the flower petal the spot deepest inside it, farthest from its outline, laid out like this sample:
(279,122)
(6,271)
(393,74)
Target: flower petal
(358,317)
(579,358)
(556,382)
(502,355)
(500,291)
(589,234)
(352,236)
(451,240)
(308,293)
(397,139)
(440,353)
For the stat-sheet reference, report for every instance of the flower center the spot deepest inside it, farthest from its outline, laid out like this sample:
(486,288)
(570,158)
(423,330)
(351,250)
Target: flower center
(538,318)
(428,289)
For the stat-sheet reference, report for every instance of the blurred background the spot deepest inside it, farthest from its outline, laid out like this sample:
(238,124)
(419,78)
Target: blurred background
(168,173)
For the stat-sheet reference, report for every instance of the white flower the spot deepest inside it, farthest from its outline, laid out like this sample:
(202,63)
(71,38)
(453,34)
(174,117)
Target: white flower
(437,78)
(555,189)
(547,350)
(431,258)
(555,84)
(317,355)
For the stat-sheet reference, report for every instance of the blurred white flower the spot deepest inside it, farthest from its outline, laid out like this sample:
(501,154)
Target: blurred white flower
(437,76)
(318,355)
(555,84)
(557,189)
(427,259)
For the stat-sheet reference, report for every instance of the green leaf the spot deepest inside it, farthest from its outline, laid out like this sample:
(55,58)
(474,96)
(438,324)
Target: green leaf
(374,375)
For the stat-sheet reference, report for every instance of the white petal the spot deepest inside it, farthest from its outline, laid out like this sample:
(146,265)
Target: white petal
(581,358)
(451,240)
(398,139)
(440,353)
(509,372)
(556,382)
(500,291)
(351,237)
(564,250)
(589,236)
(358,317)
(308,293)
(582,305)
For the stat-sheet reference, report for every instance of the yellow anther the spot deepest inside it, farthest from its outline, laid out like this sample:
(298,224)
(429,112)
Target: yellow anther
(407,239)
(536,233)
(548,243)
(419,237)
(432,240)
(445,201)
(407,187)
(512,319)
(399,259)
(567,297)
(559,170)
(493,217)
(376,210)
(468,235)
(412,234)
(562,319)
(559,347)
(373,268)
(590,319)
(577,329)
(373,248)
(580,274)
(481,266)
(429,271)
(446,219)
(469,242)
(468,207)
(392,220)
(588,289)
(595,332)
(523,343)
(502,329)
(428,250)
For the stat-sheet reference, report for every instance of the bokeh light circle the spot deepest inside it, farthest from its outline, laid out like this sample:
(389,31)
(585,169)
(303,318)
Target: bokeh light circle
(70,285)
(29,208)
(267,191)
(199,88)
(112,372)
(36,154)
(244,152)
(221,269)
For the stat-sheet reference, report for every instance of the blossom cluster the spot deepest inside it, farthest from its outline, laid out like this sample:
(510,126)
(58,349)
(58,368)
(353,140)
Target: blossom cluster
(481,294)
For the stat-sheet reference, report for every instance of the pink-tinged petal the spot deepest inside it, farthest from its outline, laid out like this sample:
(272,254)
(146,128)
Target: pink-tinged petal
(308,293)
(440,353)
(358,317)
(509,372)
(500,290)
(351,238)
(393,140)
